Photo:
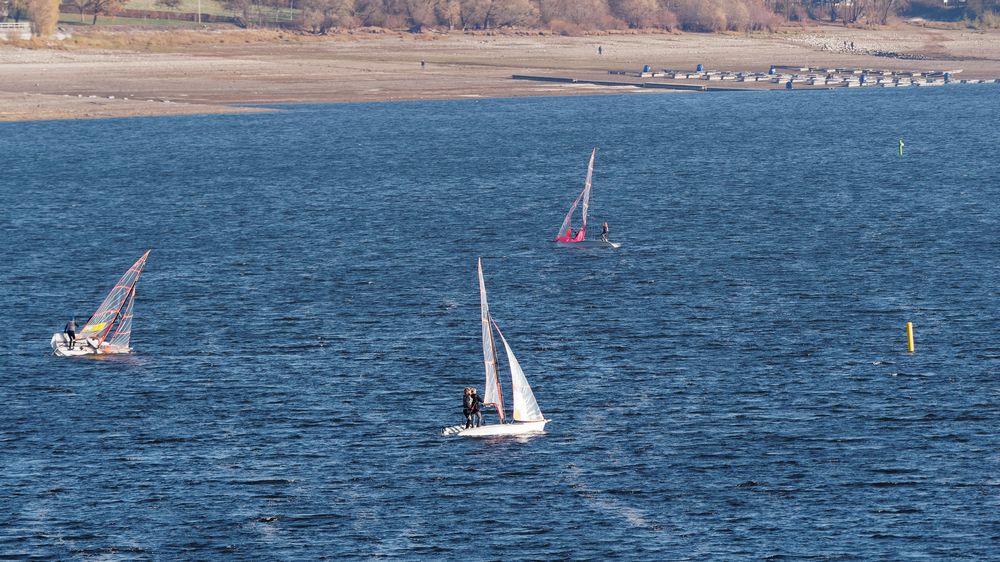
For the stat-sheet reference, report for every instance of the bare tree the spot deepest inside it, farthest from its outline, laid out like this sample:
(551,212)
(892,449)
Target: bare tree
(514,13)
(371,12)
(44,16)
(584,13)
(105,7)
(449,12)
(319,16)
(878,11)
(636,13)
(419,13)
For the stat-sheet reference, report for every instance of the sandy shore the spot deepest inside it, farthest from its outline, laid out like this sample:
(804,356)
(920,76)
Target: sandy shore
(215,71)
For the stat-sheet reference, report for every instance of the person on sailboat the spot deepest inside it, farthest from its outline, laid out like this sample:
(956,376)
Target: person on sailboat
(477,409)
(467,404)
(71,332)
(604,232)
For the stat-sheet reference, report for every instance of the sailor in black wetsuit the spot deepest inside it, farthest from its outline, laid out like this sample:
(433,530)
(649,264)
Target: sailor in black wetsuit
(477,409)
(604,231)
(71,332)
(467,404)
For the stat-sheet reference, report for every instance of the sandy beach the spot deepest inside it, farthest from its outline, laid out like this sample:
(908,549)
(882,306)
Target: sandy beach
(216,72)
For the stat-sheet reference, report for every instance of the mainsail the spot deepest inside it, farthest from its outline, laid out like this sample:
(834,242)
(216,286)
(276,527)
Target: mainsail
(100,324)
(492,393)
(564,234)
(123,333)
(525,406)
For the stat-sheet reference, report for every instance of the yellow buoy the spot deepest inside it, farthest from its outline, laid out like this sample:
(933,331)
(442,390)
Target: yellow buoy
(909,335)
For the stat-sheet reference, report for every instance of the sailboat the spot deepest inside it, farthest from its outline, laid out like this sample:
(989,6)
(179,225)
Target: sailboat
(109,329)
(526,416)
(565,233)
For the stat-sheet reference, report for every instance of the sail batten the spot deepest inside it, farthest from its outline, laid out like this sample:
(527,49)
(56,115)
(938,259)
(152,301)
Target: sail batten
(103,320)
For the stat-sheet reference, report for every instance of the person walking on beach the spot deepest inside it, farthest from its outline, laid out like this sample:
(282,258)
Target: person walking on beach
(604,232)
(477,409)
(600,50)
(71,332)
(467,403)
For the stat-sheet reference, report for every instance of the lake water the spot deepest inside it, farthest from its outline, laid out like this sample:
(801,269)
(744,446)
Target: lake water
(732,383)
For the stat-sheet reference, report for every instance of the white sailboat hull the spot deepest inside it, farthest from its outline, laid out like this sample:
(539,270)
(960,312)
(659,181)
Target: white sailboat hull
(60,347)
(516,428)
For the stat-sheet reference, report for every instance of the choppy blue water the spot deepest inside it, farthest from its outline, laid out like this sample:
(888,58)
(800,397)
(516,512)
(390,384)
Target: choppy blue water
(732,383)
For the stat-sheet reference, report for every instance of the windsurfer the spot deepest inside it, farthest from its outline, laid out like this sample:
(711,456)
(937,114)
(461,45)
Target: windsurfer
(467,406)
(71,332)
(604,232)
(477,409)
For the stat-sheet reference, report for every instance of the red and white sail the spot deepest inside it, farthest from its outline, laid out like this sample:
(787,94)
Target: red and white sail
(565,233)
(110,311)
(123,330)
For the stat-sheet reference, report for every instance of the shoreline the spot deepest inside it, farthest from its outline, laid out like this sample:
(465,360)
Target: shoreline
(224,72)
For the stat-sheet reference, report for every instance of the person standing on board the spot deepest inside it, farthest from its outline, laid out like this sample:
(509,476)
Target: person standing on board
(477,409)
(604,232)
(467,403)
(71,332)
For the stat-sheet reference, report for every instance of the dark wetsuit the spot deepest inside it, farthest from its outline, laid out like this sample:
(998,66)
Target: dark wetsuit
(604,232)
(71,332)
(477,409)
(467,406)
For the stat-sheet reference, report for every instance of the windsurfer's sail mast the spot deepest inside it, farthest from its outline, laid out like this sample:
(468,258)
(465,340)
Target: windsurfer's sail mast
(492,393)
(584,196)
(119,300)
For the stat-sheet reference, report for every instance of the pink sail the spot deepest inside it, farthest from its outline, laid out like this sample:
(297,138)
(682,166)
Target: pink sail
(100,324)
(565,233)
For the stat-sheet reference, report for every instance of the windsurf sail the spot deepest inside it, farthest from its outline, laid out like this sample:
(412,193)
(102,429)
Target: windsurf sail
(492,393)
(565,233)
(100,324)
(525,406)
(123,332)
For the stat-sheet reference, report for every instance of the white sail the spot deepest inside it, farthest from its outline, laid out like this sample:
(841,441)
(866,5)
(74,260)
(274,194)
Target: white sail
(586,189)
(563,235)
(492,394)
(525,406)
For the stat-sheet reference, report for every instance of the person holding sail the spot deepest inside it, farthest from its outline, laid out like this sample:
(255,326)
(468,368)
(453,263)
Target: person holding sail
(70,332)
(477,409)
(604,232)
(467,404)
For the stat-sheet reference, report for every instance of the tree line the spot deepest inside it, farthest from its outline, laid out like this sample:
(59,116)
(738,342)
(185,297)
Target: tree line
(561,16)
(580,16)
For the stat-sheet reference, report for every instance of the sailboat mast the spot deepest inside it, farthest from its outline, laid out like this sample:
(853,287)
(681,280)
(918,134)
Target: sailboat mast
(492,391)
